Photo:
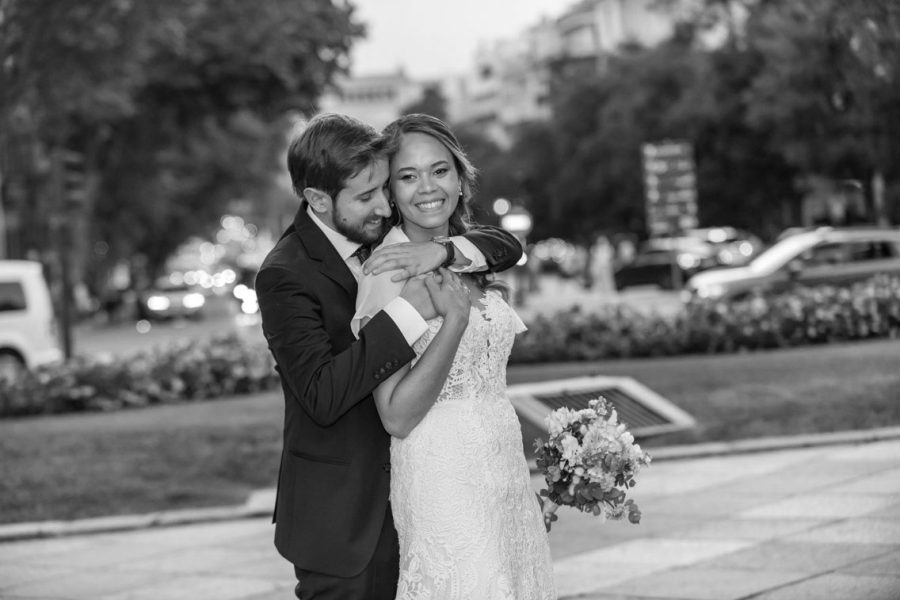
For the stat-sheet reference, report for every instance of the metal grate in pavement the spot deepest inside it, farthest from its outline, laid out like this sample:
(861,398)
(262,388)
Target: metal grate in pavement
(644,411)
(630,410)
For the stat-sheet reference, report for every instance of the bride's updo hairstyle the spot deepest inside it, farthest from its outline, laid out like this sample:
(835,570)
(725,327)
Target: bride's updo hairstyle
(461,219)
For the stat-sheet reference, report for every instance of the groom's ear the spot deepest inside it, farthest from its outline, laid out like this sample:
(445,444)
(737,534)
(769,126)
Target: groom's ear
(318,200)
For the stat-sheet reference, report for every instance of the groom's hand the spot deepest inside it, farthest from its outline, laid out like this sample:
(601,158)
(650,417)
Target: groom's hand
(415,292)
(548,511)
(408,258)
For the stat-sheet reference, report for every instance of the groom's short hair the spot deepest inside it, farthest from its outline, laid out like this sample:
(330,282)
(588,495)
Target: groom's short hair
(332,149)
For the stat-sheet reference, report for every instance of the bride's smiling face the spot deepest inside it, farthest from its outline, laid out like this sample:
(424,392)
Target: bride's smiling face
(425,185)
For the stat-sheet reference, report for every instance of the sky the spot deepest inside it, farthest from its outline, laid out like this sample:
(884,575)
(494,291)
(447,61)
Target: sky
(432,38)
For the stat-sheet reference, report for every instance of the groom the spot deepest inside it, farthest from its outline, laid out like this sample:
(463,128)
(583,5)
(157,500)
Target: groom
(332,518)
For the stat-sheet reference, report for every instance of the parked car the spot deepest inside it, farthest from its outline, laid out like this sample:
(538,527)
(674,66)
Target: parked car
(28,329)
(169,300)
(826,255)
(732,246)
(665,263)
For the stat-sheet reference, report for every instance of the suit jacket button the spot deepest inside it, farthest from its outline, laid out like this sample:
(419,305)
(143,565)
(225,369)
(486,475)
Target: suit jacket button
(386,467)
(377,376)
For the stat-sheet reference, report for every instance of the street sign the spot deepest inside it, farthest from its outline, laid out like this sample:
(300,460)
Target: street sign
(670,187)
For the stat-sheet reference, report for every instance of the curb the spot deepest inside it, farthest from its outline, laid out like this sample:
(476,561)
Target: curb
(773,444)
(260,502)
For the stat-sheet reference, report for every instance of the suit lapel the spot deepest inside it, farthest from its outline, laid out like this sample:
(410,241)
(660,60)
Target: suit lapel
(329,262)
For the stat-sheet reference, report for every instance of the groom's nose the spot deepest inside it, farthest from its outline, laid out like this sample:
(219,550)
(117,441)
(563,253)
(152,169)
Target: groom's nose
(382,206)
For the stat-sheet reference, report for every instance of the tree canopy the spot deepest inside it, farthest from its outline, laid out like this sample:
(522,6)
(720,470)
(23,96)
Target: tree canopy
(178,106)
(798,89)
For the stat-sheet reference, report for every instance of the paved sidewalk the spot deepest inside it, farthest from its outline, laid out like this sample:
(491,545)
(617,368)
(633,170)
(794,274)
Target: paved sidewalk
(784,524)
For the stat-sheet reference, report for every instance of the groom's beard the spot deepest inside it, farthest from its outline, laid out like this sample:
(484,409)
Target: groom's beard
(364,233)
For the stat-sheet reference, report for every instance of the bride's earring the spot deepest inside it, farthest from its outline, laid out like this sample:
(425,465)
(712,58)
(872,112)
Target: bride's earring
(396,216)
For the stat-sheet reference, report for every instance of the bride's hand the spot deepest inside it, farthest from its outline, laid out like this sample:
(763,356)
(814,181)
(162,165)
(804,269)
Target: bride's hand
(449,296)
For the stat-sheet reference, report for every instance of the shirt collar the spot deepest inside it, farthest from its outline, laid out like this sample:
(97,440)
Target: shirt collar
(345,248)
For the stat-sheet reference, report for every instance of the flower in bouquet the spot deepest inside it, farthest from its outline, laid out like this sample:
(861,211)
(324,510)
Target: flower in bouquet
(590,460)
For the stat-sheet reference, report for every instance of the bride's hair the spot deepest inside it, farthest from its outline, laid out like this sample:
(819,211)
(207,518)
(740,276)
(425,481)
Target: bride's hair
(461,220)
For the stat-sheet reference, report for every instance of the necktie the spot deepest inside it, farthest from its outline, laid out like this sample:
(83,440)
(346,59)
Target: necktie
(363,253)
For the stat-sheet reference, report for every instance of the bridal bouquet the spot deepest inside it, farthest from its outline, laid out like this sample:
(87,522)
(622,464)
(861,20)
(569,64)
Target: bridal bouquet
(590,460)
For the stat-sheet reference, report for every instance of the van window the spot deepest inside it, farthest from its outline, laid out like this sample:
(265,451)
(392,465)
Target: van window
(12,296)
(874,250)
(827,253)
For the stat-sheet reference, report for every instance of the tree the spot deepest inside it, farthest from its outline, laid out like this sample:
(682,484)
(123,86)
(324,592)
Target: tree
(179,105)
(599,125)
(829,85)
(432,102)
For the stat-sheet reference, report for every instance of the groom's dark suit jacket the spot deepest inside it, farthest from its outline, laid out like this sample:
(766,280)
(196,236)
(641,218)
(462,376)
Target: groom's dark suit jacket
(335,466)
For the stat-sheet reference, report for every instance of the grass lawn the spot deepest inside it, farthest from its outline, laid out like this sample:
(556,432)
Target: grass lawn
(214,453)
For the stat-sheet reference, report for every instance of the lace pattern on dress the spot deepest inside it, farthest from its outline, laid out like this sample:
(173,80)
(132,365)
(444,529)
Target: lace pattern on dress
(469,523)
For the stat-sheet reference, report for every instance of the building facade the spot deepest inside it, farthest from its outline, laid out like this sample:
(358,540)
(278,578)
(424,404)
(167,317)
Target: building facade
(375,99)
(511,80)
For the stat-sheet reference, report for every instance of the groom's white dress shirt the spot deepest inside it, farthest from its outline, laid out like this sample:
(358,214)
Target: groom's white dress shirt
(407,318)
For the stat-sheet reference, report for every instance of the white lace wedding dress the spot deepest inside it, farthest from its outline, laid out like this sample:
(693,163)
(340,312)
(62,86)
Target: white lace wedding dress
(469,523)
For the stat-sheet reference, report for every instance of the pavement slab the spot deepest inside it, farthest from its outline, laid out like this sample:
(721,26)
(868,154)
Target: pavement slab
(891,512)
(707,583)
(853,531)
(820,505)
(195,587)
(88,583)
(883,482)
(837,586)
(809,558)
(711,530)
(886,564)
(752,529)
(590,571)
(888,452)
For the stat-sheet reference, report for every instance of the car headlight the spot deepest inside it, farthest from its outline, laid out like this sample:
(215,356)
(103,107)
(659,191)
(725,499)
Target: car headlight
(193,300)
(711,291)
(158,303)
(687,261)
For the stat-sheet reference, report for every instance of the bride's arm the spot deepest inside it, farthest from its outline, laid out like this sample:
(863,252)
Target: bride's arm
(404,398)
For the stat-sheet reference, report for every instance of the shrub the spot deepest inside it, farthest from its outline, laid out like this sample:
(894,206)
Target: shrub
(222,366)
(803,316)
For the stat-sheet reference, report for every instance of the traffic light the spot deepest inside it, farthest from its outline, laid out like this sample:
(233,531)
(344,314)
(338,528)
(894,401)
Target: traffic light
(74,179)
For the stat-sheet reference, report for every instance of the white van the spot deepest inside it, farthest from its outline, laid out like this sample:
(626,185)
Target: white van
(28,332)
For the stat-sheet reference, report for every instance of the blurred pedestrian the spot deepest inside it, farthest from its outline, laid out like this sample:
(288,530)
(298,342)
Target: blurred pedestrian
(602,256)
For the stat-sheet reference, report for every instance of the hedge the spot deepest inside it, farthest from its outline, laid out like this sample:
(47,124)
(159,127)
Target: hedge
(803,316)
(214,368)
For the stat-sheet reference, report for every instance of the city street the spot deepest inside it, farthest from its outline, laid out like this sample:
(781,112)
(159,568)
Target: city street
(221,316)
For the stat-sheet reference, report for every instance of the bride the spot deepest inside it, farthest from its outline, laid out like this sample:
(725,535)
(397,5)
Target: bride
(469,523)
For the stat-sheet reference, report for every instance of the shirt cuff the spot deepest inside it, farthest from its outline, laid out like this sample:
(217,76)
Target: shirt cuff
(477,261)
(407,319)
